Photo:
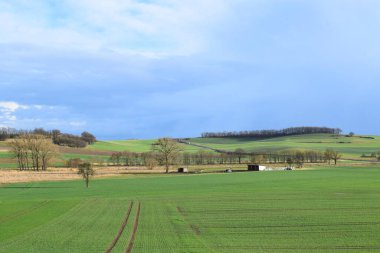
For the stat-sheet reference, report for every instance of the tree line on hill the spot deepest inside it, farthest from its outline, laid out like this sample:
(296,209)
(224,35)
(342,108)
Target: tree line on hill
(273,133)
(57,137)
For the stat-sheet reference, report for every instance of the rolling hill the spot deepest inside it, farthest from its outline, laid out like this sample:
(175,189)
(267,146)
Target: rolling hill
(351,147)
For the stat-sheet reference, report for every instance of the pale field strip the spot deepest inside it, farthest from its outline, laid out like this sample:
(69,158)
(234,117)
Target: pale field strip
(60,174)
(8,176)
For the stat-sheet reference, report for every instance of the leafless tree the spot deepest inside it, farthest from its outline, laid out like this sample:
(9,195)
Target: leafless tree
(335,156)
(87,171)
(33,151)
(167,151)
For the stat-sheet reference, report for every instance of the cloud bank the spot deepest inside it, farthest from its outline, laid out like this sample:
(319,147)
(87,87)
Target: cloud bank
(143,69)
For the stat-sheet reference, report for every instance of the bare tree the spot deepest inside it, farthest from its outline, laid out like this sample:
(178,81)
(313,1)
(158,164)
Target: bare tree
(34,145)
(328,155)
(299,159)
(20,151)
(47,152)
(87,171)
(33,151)
(335,156)
(167,151)
(239,153)
(150,160)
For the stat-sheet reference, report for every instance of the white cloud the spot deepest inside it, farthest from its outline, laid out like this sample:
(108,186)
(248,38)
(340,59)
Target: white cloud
(8,108)
(80,123)
(29,116)
(155,29)
(12,106)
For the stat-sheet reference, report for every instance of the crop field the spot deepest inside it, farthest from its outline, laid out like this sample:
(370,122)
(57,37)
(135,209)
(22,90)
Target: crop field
(324,210)
(133,146)
(6,160)
(352,147)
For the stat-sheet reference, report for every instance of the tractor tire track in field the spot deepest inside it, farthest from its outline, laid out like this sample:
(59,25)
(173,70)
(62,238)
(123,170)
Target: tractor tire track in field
(24,211)
(135,226)
(196,230)
(340,224)
(121,229)
(354,248)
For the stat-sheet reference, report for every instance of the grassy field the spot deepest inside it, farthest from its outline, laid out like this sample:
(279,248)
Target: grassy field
(325,210)
(133,146)
(352,147)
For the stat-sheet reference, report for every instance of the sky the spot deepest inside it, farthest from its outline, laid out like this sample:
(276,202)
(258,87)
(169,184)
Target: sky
(124,69)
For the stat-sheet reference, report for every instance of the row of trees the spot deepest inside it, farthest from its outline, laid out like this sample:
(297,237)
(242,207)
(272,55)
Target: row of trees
(332,155)
(166,152)
(274,133)
(9,133)
(36,151)
(59,138)
(208,158)
(33,151)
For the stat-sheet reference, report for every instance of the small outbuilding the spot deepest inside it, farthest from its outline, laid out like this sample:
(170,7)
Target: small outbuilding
(182,170)
(256,167)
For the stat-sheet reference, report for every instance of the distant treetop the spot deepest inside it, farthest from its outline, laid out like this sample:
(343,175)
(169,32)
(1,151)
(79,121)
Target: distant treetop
(273,133)
(58,138)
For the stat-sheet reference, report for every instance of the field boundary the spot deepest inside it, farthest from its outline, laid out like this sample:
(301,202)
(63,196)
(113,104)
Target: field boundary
(135,226)
(121,229)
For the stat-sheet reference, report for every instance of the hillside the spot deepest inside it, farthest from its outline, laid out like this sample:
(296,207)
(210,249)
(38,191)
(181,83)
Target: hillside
(132,146)
(350,147)
(100,151)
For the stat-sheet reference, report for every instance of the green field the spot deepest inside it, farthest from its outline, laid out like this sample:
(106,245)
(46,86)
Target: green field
(325,210)
(133,146)
(352,147)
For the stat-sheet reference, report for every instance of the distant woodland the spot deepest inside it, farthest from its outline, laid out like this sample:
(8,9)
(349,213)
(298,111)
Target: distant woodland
(57,137)
(273,133)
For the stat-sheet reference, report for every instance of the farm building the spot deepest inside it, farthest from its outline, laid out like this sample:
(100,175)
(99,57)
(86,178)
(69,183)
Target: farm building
(182,170)
(256,167)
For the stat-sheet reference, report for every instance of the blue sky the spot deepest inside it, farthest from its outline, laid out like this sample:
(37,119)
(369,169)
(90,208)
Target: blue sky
(144,69)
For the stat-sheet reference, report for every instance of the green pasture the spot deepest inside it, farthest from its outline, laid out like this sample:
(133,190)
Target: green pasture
(6,155)
(7,165)
(68,156)
(332,209)
(133,146)
(6,160)
(349,146)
